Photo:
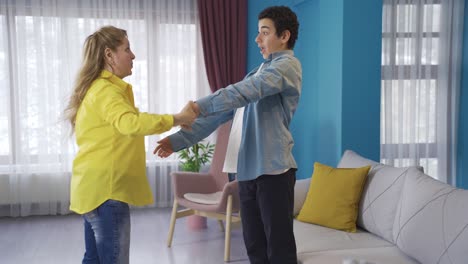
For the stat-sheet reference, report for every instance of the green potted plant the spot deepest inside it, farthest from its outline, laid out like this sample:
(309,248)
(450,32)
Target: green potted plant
(194,157)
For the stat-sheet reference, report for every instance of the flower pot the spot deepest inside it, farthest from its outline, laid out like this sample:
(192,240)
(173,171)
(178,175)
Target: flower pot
(196,222)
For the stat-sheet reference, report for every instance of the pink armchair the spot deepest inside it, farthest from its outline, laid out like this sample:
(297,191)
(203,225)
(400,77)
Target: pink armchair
(203,184)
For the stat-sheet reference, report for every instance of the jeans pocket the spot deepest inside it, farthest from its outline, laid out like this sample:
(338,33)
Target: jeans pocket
(91,215)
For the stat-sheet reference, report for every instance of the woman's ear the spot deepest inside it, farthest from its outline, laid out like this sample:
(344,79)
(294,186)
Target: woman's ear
(108,56)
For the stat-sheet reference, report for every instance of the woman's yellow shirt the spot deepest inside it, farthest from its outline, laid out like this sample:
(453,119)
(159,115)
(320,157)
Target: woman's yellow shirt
(111,160)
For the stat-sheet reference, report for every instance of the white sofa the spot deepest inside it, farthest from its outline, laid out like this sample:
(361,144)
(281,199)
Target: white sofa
(405,217)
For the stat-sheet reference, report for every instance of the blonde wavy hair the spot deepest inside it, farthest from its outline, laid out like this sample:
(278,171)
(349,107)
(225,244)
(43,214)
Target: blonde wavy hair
(92,65)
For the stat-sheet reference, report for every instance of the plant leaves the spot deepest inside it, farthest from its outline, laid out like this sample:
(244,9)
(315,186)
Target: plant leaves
(192,158)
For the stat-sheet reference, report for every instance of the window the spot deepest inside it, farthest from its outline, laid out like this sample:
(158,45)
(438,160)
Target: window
(4,95)
(410,83)
(40,54)
(421,65)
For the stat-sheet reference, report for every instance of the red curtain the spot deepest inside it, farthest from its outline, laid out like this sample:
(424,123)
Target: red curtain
(224,37)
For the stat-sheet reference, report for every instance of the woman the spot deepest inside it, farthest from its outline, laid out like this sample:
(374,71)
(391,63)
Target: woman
(109,170)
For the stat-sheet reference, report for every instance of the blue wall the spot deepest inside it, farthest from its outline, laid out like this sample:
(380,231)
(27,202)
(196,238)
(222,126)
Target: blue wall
(462,156)
(339,46)
(329,109)
(362,49)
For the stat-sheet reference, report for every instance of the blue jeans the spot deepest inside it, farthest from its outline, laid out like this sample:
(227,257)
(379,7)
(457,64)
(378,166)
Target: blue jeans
(107,234)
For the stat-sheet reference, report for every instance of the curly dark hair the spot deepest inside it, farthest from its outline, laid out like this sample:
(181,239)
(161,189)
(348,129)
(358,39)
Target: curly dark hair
(284,19)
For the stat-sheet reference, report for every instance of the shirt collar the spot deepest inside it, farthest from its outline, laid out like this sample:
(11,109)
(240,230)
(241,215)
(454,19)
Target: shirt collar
(277,54)
(105,74)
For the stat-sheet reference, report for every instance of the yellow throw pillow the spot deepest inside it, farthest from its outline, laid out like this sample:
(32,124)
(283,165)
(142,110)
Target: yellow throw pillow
(333,197)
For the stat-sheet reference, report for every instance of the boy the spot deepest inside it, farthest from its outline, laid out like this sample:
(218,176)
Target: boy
(259,149)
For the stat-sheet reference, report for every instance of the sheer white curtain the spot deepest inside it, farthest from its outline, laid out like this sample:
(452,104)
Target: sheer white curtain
(421,64)
(40,52)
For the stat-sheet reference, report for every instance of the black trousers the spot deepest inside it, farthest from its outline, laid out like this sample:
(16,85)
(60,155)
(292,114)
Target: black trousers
(267,205)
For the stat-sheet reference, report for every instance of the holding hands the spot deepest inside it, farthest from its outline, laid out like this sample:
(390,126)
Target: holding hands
(185,119)
(187,115)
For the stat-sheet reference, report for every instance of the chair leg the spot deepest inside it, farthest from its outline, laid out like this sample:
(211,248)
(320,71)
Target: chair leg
(172,224)
(221,225)
(227,238)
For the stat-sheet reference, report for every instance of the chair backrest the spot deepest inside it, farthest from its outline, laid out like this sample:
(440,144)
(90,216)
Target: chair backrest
(219,155)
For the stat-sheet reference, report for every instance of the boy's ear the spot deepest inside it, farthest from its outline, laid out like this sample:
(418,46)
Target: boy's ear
(285,36)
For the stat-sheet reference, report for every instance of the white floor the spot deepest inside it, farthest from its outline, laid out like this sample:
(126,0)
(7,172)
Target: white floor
(59,239)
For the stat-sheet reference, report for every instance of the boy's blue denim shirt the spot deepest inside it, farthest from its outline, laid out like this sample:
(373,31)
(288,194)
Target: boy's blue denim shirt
(270,99)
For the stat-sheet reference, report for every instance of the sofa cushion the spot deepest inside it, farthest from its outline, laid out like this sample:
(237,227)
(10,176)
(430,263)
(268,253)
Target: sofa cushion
(431,223)
(315,238)
(300,193)
(333,197)
(351,159)
(377,208)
